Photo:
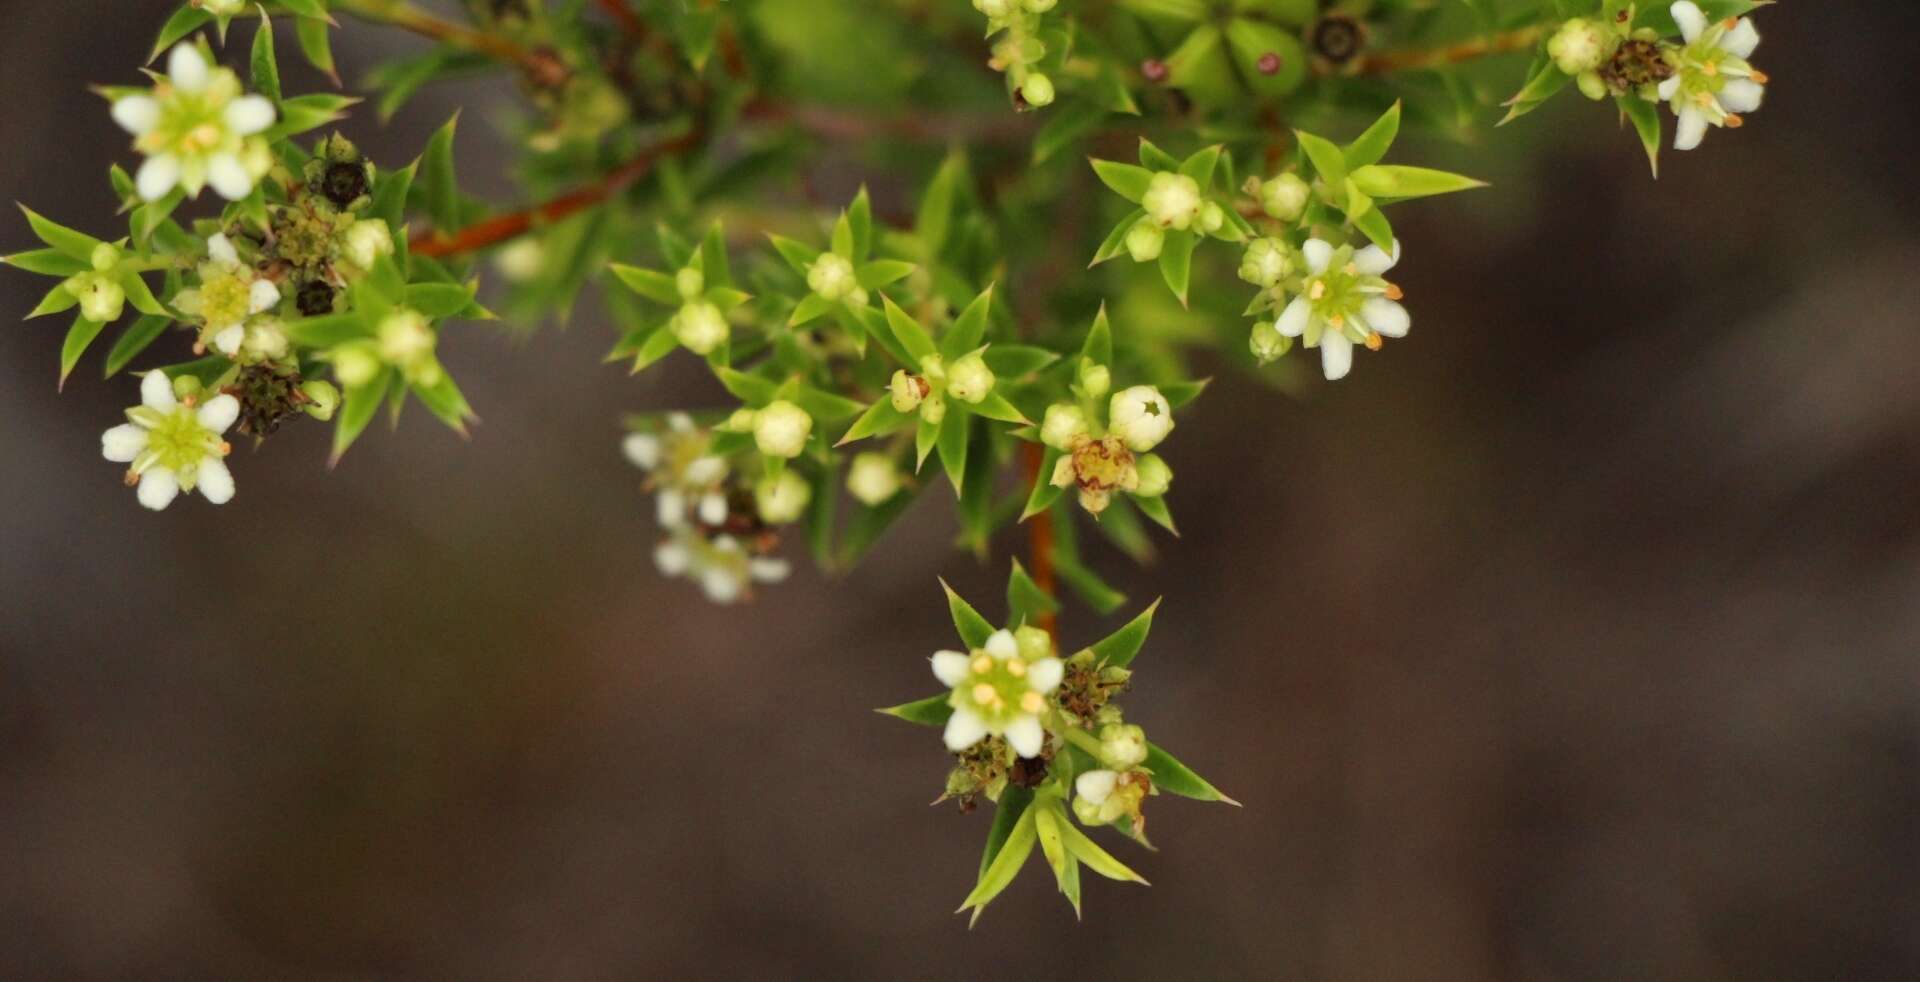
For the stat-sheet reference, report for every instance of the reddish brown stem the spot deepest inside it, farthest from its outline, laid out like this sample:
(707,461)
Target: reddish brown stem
(1407,59)
(1040,538)
(501,228)
(624,16)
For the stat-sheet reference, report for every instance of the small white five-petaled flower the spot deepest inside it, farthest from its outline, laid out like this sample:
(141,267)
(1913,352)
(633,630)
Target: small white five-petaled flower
(723,568)
(172,446)
(1001,689)
(197,127)
(230,292)
(681,471)
(1712,83)
(1346,301)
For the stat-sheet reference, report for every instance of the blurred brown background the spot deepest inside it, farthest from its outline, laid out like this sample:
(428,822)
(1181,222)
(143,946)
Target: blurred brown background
(1575,638)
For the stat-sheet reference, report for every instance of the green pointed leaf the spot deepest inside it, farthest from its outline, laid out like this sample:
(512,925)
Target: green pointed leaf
(437,178)
(79,337)
(931,711)
(1200,166)
(1012,361)
(880,418)
(1126,180)
(1172,776)
(968,329)
(1546,81)
(1328,161)
(953,446)
(1373,224)
(1156,509)
(48,262)
(1155,159)
(1026,602)
(1395,181)
(860,221)
(1176,262)
(356,411)
(1044,493)
(132,341)
(974,629)
(1371,146)
(1012,854)
(1119,648)
(317,45)
(266,68)
(74,243)
(996,407)
(882,272)
(754,390)
(1098,348)
(58,300)
(1096,858)
(1047,820)
(650,283)
(911,337)
(1115,244)
(924,439)
(798,255)
(934,220)
(184,21)
(1645,117)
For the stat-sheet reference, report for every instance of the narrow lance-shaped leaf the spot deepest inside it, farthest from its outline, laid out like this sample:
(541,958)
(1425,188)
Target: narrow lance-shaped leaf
(974,629)
(1119,648)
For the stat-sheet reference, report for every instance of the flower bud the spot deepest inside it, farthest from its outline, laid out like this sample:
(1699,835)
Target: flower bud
(781,429)
(969,379)
(906,391)
(1153,474)
(1033,643)
(1122,747)
(355,365)
(322,399)
(995,9)
(690,283)
(102,299)
(782,499)
(873,478)
(405,338)
(1172,200)
(1267,343)
(1086,809)
(1145,240)
(934,409)
(1140,417)
(1095,787)
(521,261)
(1037,90)
(832,277)
(1579,46)
(1266,262)
(1285,197)
(1212,217)
(1063,424)
(741,421)
(701,327)
(1095,379)
(105,257)
(368,240)
(1592,85)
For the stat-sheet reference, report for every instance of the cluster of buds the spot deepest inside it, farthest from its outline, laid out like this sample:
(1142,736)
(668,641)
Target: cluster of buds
(967,379)
(1173,202)
(1020,50)
(717,534)
(1706,78)
(833,278)
(319,240)
(699,324)
(101,292)
(404,340)
(1102,458)
(1328,297)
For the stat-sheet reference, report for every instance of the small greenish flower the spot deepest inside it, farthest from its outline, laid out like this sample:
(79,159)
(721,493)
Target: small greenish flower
(1267,343)
(1102,797)
(907,391)
(1172,200)
(521,261)
(782,498)
(1285,197)
(969,379)
(1345,301)
(1712,83)
(1037,90)
(230,293)
(172,446)
(102,299)
(322,400)
(366,241)
(197,127)
(781,429)
(874,478)
(406,340)
(1098,467)
(700,326)
(1095,379)
(1140,417)
(1000,689)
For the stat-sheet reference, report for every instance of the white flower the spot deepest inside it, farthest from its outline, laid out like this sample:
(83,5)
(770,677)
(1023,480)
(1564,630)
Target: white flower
(680,470)
(783,499)
(781,429)
(171,446)
(197,127)
(873,478)
(1712,83)
(1000,689)
(1346,301)
(1063,424)
(522,261)
(1140,417)
(1096,786)
(229,293)
(1172,200)
(832,277)
(725,571)
(700,326)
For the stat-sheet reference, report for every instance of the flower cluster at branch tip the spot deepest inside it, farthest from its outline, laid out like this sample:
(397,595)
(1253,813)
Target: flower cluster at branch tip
(197,127)
(1705,78)
(1000,689)
(1343,299)
(1020,51)
(172,442)
(1103,458)
(717,533)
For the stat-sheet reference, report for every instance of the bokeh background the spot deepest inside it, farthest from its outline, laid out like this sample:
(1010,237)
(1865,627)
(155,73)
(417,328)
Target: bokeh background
(1576,638)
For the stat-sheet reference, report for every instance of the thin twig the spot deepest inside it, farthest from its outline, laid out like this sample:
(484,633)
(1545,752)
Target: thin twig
(1411,59)
(1040,543)
(542,66)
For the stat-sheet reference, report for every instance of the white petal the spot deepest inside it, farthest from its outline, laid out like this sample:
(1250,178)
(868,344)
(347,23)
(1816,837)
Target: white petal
(1044,675)
(721,586)
(1096,786)
(1741,41)
(768,570)
(1336,355)
(1374,260)
(964,729)
(1027,736)
(215,482)
(219,413)
(229,177)
(643,449)
(156,392)
(227,340)
(1000,644)
(1692,129)
(670,508)
(1692,22)
(1668,87)
(1386,316)
(1319,253)
(123,443)
(1742,95)
(249,114)
(679,422)
(187,68)
(157,176)
(262,296)
(220,249)
(1293,320)
(136,113)
(950,667)
(713,509)
(706,470)
(672,558)
(157,488)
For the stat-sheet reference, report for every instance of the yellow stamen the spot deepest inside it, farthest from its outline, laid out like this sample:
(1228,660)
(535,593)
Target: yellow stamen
(1016,668)
(1758,76)
(1734,121)
(1394,292)
(1374,341)
(1032,702)
(984,694)
(1709,69)
(1317,290)
(1337,321)
(1353,269)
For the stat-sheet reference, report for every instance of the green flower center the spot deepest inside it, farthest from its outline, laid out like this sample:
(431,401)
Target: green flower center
(997,690)
(193,124)
(177,442)
(225,298)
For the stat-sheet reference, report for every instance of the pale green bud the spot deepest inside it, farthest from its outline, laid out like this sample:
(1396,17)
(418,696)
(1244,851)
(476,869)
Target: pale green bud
(741,421)
(105,257)
(368,240)
(782,499)
(701,327)
(322,399)
(1172,200)
(1033,643)
(1154,475)
(832,277)
(1095,379)
(934,409)
(690,283)
(1579,46)
(1122,747)
(102,298)
(1145,240)
(1592,85)
(781,429)
(1266,262)
(1140,417)
(1267,343)
(355,364)
(906,391)
(405,338)
(873,478)
(1212,217)
(1063,423)
(1037,90)
(1285,197)
(969,379)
